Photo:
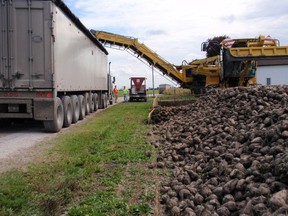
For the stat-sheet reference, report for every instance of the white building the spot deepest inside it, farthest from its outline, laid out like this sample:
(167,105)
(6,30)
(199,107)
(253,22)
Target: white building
(163,87)
(272,72)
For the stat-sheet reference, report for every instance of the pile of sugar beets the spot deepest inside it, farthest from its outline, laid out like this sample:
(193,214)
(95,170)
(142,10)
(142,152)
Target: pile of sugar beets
(228,153)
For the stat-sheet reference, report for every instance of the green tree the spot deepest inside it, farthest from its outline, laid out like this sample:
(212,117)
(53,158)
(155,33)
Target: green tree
(213,47)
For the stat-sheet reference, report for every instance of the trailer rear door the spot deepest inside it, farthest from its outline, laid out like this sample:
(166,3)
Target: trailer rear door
(25,44)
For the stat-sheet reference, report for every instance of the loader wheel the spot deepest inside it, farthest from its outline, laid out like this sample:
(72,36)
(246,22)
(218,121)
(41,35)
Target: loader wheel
(82,107)
(96,102)
(68,110)
(56,124)
(87,103)
(76,108)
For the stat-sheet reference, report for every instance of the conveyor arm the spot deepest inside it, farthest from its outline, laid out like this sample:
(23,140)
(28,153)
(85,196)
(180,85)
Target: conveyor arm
(222,70)
(141,50)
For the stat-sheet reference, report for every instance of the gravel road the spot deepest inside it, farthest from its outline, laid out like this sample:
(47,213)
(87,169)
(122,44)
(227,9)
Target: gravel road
(17,136)
(19,139)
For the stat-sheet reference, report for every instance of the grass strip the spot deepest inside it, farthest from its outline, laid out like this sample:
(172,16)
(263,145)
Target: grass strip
(98,168)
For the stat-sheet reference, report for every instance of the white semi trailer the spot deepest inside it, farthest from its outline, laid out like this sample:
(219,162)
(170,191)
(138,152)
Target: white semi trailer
(52,69)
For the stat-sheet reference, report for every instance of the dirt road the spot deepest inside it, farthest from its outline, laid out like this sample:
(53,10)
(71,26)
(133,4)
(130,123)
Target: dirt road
(20,135)
(19,139)
(19,143)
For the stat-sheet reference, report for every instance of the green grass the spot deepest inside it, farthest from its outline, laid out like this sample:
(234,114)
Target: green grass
(99,168)
(149,92)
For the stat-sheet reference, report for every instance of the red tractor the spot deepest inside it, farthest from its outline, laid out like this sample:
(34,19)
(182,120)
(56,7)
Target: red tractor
(137,89)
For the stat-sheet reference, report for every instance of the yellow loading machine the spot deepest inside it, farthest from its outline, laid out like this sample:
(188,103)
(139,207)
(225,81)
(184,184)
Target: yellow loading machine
(235,66)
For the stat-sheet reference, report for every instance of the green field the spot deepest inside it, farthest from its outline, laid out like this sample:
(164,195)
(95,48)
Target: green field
(97,168)
(149,92)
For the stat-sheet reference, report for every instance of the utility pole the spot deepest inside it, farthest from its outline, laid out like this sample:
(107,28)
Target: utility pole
(153,80)
(109,67)
(109,77)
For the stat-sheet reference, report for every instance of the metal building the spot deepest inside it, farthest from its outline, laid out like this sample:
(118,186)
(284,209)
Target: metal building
(272,72)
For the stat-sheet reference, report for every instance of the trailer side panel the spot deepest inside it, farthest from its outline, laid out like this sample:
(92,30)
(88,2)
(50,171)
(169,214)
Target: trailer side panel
(79,63)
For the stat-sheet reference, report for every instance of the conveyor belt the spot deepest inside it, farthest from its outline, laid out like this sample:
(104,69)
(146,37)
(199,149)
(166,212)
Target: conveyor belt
(142,51)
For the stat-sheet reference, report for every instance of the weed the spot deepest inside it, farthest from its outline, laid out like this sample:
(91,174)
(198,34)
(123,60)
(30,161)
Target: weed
(14,193)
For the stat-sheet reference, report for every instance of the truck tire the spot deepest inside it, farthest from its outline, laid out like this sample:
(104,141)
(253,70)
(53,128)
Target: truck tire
(56,124)
(87,103)
(92,104)
(76,108)
(82,107)
(68,111)
(96,102)
(101,101)
(105,102)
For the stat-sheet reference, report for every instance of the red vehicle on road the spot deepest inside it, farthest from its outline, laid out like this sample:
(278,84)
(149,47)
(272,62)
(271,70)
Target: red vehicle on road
(137,89)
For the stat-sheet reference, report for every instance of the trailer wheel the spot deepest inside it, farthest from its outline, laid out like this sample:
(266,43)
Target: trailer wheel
(82,107)
(101,101)
(56,124)
(96,102)
(105,101)
(76,108)
(68,110)
(87,103)
(105,104)
(92,104)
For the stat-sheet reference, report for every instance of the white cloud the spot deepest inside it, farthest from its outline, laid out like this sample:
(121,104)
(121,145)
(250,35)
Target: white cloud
(175,29)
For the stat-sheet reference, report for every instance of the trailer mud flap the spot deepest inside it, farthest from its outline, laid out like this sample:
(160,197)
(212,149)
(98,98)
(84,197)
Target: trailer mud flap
(43,109)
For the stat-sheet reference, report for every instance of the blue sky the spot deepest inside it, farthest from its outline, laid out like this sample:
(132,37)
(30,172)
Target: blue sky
(175,29)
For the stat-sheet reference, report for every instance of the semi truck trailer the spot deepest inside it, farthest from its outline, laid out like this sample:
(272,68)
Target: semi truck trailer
(52,69)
